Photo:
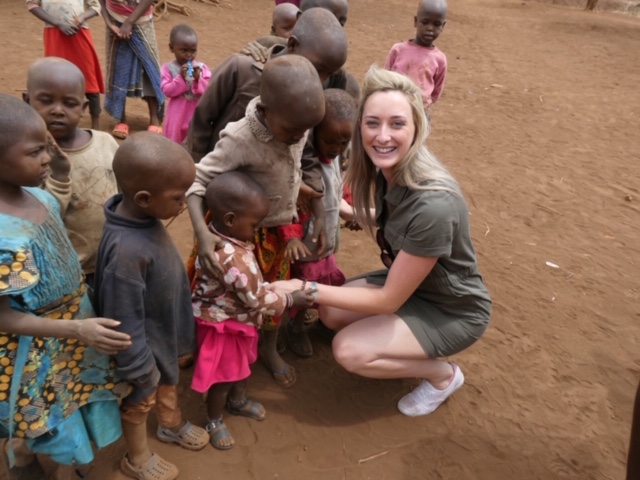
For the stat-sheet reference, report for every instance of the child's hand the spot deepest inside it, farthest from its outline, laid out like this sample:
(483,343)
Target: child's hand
(125,30)
(207,245)
(353,225)
(184,71)
(303,298)
(60,164)
(99,334)
(196,73)
(256,51)
(319,235)
(67,28)
(295,249)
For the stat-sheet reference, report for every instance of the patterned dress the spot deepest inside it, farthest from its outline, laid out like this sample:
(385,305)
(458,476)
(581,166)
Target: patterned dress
(52,385)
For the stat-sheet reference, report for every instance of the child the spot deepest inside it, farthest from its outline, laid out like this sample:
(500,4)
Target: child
(133,63)
(284,2)
(284,19)
(183,81)
(84,181)
(66,35)
(57,392)
(141,281)
(330,140)
(419,59)
(230,306)
(267,145)
(339,8)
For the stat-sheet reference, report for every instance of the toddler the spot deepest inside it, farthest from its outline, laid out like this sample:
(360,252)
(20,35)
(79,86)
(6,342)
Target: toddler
(183,82)
(267,145)
(82,180)
(330,140)
(66,35)
(419,58)
(230,306)
(58,388)
(133,63)
(141,281)
(284,18)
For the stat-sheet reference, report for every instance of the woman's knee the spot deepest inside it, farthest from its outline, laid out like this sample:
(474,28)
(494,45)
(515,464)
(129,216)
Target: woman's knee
(350,355)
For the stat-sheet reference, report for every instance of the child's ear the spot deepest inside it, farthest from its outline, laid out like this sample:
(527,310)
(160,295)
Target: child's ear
(229,219)
(292,44)
(142,199)
(25,97)
(171,48)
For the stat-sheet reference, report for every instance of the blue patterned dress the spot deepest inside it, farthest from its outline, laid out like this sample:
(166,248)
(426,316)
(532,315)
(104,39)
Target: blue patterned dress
(54,386)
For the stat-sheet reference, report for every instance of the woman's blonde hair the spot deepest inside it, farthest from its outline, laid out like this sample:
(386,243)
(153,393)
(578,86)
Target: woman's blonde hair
(418,170)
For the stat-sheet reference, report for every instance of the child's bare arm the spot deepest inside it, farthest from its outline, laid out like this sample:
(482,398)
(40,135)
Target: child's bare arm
(107,21)
(95,332)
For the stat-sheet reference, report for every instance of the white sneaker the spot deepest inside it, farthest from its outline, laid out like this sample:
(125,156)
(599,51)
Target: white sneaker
(425,398)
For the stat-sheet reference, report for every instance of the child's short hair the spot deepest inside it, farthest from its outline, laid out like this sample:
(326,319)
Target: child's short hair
(180,31)
(54,67)
(15,115)
(339,105)
(232,192)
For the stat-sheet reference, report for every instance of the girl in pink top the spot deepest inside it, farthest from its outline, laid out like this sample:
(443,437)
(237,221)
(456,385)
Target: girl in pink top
(183,82)
(419,59)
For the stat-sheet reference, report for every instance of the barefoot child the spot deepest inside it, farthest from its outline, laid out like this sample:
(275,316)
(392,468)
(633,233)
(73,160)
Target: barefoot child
(183,82)
(57,392)
(82,180)
(230,306)
(283,20)
(420,59)
(66,35)
(141,281)
(267,145)
(330,140)
(133,63)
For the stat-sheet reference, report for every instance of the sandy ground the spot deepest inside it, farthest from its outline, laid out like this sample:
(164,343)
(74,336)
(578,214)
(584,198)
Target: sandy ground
(539,122)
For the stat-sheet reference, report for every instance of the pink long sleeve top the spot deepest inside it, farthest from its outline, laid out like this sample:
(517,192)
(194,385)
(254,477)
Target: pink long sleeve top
(183,96)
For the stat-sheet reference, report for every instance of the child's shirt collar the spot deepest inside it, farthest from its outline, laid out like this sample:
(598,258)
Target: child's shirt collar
(260,131)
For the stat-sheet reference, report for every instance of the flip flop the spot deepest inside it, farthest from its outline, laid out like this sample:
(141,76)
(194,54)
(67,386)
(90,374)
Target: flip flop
(121,131)
(156,468)
(218,431)
(286,377)
(189,436)
(247,408)
(155,129)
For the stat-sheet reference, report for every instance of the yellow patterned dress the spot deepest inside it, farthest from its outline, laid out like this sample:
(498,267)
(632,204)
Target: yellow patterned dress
(53,386)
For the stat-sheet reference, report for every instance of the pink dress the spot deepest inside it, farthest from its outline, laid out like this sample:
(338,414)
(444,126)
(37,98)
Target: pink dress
(427,67)
(183,96)
(228,310)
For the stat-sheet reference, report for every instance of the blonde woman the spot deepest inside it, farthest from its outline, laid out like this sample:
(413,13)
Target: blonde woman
(430,301)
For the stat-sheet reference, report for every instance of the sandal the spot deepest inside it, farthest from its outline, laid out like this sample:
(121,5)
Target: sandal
(155,129)
(156,468)
(218,432)
(286,377)
(189,436)
(121,131)
(299,341)
(247,408)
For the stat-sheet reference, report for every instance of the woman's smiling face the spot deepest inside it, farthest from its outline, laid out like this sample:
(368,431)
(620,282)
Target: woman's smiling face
(387,129)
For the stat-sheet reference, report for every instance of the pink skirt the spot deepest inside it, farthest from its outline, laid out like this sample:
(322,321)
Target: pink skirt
(225,352)
(324,271)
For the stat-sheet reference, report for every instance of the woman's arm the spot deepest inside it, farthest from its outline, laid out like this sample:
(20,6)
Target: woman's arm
(405,276)
(95,332)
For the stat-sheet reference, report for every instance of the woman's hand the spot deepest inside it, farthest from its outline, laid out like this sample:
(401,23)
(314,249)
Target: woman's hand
(285,286)
(208,243)
(99,334)
(295,249)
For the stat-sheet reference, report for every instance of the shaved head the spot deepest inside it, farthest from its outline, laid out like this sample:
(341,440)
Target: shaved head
(151,162)
(233,191)
(16,117)
(433,6)
(54,71)
(339,8)
(285,11)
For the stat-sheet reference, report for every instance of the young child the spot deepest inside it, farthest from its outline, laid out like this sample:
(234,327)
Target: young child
(82,180)
(229,307)
(267,145)
(330,140)
(339,8)
(141,281)
(57,391)
(133,63)
(284,18)
(66,35)
(419,58)
(292,2)
(183,82)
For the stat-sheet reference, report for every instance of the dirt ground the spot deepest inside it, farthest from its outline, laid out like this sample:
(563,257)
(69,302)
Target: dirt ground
(539,122)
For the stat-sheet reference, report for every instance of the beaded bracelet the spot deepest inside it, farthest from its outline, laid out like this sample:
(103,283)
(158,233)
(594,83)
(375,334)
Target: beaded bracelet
(314,286)
(289,300)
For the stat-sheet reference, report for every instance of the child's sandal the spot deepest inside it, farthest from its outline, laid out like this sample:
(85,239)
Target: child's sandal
(189,436)
(247,408)
(218,432)
(156,468)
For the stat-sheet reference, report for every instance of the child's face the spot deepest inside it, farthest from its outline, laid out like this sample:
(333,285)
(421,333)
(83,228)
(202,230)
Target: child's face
(283,26)
(184,48)
(26,162)
(429,24)
(245,224)
(61,104)
(332,137)
(168,202)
